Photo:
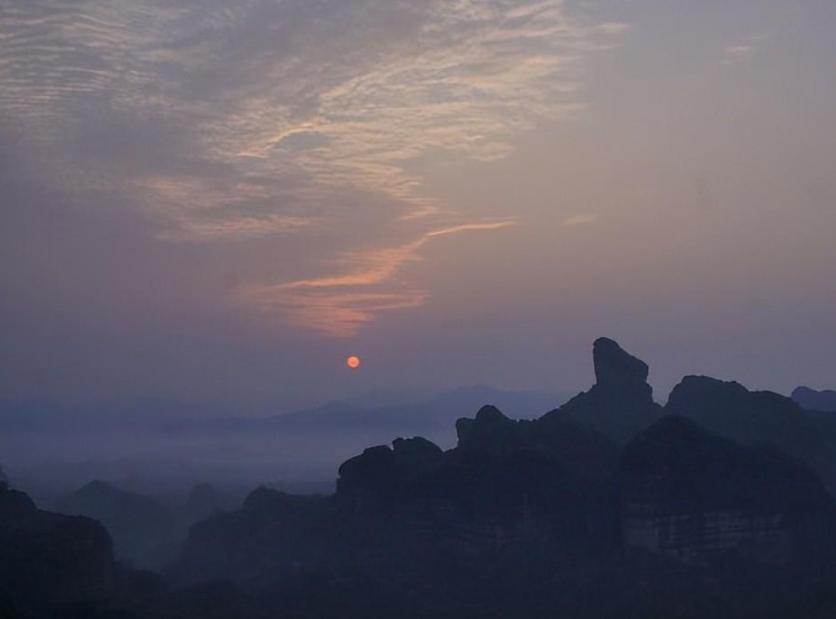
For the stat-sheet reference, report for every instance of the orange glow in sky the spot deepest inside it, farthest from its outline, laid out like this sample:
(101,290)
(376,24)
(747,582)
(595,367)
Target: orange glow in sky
(353,362)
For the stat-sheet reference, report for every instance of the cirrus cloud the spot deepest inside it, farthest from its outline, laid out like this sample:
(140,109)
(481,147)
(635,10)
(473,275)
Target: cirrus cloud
(233,121)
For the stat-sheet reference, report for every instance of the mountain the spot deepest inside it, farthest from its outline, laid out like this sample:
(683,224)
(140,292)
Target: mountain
(620,404)
(50,561)
(758,417)
(433,416)
(812,400)
(689,493)
(607,507)
(551,486)
(144,531)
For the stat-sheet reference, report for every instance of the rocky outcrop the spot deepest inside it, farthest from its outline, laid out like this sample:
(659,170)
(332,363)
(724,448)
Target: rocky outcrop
(525,493)
(273,534)
(691,494)
(758,417)
(382,473)
(49,561)
(620,404)
(812,400)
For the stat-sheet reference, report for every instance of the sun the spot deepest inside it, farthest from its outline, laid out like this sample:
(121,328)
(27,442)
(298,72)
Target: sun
(353,362)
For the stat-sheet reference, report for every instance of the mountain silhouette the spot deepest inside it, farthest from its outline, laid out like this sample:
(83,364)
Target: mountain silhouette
(620,404)
(687,492)
(758,417)
(824,401)
(559,485)
(717,504)
(144,531)
(49,561)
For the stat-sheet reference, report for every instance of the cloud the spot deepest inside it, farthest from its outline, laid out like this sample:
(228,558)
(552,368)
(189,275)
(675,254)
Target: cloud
(329,305)
(738,53)
(580,219)
(744,50)
(259,119)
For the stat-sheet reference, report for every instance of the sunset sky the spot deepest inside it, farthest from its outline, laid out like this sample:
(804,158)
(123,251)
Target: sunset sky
(217,202)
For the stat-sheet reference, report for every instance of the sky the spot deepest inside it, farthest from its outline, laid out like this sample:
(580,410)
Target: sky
(217,202)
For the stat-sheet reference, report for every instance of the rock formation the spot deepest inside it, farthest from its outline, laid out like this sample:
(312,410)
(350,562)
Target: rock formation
(49,561)
(692,494)
(548,516)
(758,417)
(525,498)
(620,404)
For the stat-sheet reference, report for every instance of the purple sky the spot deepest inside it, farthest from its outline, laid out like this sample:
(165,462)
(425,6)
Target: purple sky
(217,202)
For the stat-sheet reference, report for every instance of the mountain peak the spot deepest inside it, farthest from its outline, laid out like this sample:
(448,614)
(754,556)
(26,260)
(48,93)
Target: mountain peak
(616,367)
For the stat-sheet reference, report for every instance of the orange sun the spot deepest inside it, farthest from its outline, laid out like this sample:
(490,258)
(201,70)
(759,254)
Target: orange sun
(353,362)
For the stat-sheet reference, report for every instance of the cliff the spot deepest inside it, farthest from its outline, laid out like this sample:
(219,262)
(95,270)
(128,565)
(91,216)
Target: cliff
(691,494)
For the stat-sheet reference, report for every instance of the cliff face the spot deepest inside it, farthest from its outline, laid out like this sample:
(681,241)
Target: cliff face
(691,494)
(50,560)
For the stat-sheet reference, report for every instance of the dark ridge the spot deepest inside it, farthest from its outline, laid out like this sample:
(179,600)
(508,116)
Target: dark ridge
(757,417)
(812,400)
(688,492)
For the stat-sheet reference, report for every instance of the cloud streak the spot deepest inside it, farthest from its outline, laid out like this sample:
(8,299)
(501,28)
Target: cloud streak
(743,51)
(258,119)
(328,304)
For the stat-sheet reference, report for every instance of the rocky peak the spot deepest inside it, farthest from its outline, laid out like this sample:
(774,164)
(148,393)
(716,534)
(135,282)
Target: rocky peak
(615,368)
(417,452)
(383,471)
(620,404)
(490,430)
(14,504)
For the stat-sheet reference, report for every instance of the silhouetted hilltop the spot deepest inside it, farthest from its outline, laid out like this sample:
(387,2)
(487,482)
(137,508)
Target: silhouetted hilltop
(273,534)
(551,486)
(620,404)
(812,400)
(607,507)
(506,483)
(144,531)
(690,493)
(757,417)
(50,561)
(381,472)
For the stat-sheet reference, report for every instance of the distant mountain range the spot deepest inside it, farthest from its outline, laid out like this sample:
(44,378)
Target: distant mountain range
(392,410)
(433,415)
(159,445)
(718,504)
